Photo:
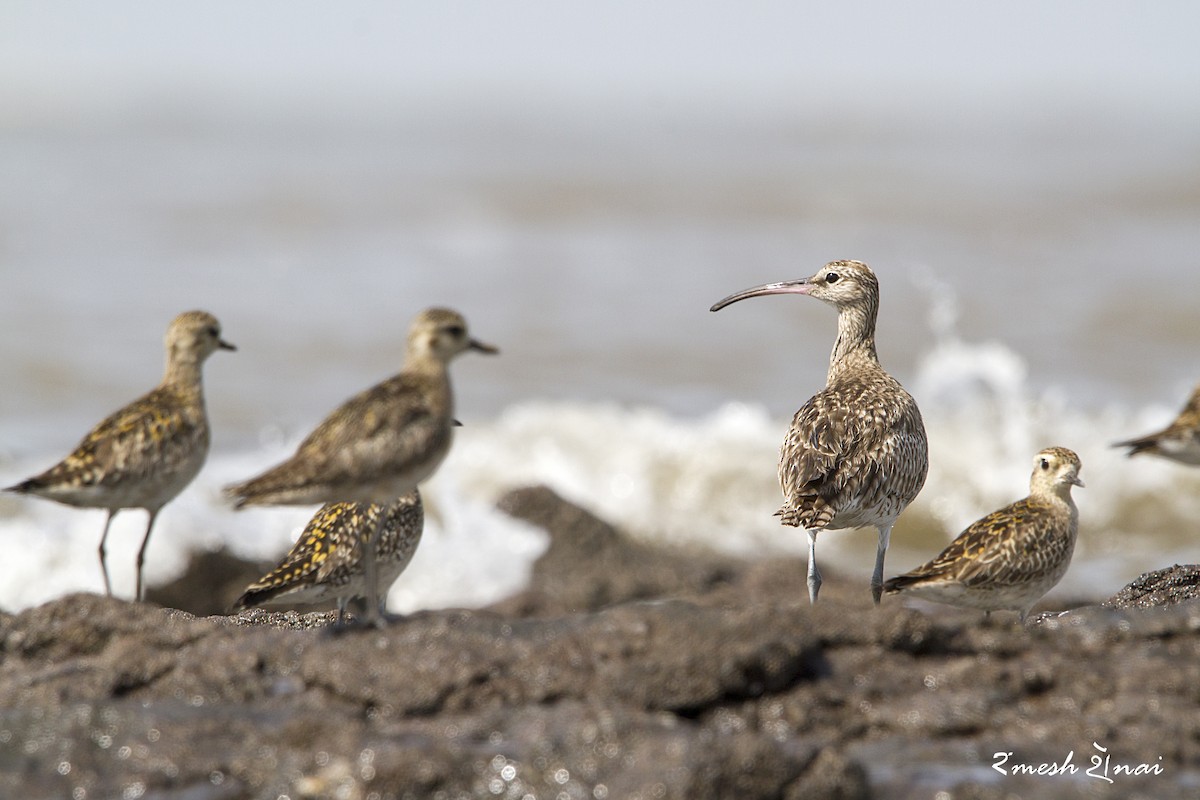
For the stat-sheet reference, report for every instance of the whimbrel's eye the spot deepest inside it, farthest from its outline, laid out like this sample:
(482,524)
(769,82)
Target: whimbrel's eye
(1045,464)
(832,277)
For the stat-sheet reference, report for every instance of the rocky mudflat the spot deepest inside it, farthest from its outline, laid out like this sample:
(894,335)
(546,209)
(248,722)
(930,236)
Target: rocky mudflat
(623,671)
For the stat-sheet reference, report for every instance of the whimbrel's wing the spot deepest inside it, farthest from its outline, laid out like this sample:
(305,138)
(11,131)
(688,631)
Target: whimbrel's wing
(850,442)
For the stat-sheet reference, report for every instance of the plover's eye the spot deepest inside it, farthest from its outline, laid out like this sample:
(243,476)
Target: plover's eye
(832,277)
(213,332)
(457,331)
(1045,464)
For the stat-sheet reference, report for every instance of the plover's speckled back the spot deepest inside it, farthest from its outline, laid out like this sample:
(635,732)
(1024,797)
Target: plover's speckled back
(1009,559)
(381,443)
(1179,441)
(327,561)
(145,454)
(856,454)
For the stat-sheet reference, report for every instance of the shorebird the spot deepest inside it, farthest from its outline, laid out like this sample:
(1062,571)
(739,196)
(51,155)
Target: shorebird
(1011,557)
(379,444)
(856,454)
(143,455)
(1179,441)
(327,561)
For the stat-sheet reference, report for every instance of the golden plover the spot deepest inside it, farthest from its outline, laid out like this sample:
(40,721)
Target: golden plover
(327,561)
(1011,557)
(145,454)
(381,443)
(856,454)
(1179,441)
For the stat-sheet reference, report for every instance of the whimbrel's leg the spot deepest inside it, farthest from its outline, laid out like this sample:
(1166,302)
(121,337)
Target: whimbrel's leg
(885,537)
(141,556)
(814,575)
(104,554)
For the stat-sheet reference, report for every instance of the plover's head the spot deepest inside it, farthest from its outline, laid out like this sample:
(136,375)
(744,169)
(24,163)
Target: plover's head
(442,334)
(193,336)
(1056,470)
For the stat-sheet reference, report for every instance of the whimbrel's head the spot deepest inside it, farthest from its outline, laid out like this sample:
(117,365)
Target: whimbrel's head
(841,284)
(193,336)
(1055,471)
(442,334)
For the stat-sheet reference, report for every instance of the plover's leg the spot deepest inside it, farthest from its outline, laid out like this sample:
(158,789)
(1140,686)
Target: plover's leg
(103,552)
(141,555)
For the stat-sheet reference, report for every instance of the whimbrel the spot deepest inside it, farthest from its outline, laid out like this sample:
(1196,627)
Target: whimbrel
(1009,559)
(379,444)
(856,454)
(143,455)
(327,561)
(1179,441)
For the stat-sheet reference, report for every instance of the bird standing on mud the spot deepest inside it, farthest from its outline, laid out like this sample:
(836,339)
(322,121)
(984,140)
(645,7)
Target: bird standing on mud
(856,454)
(1009,559)
(381,443)
(327,561)
(146,453)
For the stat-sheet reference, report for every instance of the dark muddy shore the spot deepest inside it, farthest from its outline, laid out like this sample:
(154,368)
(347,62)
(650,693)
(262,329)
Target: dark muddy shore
(623,671)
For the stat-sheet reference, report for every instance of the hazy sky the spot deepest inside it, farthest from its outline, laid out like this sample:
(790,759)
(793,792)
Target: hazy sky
(681,50)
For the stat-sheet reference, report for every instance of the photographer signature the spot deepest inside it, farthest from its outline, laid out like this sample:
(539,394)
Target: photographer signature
(1102,766)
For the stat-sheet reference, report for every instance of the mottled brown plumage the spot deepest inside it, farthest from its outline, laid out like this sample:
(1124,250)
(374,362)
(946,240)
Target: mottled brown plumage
(856,454)
(327,561)
(381,443)
(1009,559)
(143,455)
(1179,441)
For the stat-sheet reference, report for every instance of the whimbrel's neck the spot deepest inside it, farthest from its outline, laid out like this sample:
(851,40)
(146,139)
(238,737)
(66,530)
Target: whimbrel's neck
(855,340)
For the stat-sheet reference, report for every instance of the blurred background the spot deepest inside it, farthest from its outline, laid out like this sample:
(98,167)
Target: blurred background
(583,181)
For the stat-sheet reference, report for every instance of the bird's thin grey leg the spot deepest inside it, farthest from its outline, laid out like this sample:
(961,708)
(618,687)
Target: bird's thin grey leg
(141,556)
(814,575)
(371,575)
(885,537)
(104,553)
(341,612)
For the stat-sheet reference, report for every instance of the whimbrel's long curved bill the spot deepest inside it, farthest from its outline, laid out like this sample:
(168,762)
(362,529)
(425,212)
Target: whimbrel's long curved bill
(783,287)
